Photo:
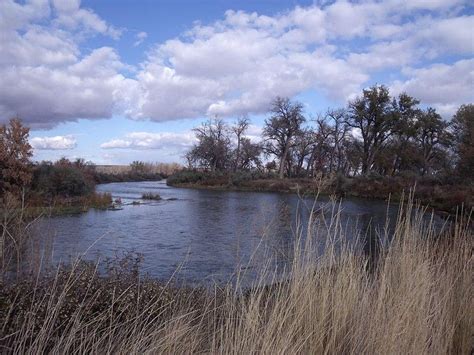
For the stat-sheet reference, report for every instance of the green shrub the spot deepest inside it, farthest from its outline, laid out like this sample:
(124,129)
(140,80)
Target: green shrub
(241,176)
(63,178)
(217,178)
(186,177)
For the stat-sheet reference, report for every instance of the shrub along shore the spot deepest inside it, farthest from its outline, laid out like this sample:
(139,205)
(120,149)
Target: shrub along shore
(445,198)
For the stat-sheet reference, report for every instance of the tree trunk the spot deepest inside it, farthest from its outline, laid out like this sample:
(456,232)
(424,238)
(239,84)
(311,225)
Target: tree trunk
(309,168)
(281,172)
(368,160)
(237,158)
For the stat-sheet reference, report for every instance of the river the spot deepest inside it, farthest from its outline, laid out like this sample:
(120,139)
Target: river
(199,236)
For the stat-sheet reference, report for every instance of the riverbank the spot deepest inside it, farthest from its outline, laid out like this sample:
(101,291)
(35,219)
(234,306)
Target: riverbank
(415,300)
(446,199)
(105,178)
(40,206)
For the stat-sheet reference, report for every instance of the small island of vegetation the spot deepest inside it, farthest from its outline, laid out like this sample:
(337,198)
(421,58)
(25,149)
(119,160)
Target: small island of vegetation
(151,196)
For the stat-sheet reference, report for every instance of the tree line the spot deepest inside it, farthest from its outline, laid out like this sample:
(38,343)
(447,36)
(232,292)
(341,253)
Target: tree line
(21,178)
(374,134)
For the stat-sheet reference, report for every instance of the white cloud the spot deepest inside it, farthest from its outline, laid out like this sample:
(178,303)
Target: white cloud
(171,146)
(425,38)
(69,14)
(43,96)
(232,66)
(237,65)
(443,86)
(54,143)
(145,140)
(426,4)
(44,77)
(141,36)
(254,133)
(240,64)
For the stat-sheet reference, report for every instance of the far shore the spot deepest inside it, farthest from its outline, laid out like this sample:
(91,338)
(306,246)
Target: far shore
(445,200)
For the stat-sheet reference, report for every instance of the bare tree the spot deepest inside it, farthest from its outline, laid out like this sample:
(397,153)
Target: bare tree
(304,141)
(372,115)
(321,147)
(250,155)
(432,135)
(282,127)
(338,134)
(404,132)
(239,129)
(212,150)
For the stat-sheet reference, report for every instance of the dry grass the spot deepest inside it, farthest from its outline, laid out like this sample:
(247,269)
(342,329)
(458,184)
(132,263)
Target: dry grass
(416,298)
(158,168)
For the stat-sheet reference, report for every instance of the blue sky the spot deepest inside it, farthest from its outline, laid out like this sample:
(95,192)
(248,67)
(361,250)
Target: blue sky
(115,81)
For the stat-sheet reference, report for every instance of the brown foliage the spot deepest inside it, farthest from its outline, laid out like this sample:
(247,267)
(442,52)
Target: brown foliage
(15,153)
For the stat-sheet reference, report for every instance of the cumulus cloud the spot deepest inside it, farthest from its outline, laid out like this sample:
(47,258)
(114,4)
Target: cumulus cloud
(235,65)
(240,63)
(69,14)
(43,96)
(44,77)
(54,143)
(146,140)
(443,86)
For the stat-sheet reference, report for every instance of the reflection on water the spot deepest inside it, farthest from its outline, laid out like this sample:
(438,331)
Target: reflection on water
(206,234)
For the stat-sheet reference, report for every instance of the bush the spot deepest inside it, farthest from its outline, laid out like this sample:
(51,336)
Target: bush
(374,175)
(241,176)
(185,177)
(63,178)
(217,178)
(339,184)
(151,196)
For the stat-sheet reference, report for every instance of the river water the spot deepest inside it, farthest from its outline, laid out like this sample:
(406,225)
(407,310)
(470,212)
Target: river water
(198,235)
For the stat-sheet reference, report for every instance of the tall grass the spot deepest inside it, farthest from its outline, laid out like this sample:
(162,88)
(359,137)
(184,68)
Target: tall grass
(414,298)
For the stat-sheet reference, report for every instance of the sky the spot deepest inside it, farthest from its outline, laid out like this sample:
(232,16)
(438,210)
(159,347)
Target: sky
(113,81)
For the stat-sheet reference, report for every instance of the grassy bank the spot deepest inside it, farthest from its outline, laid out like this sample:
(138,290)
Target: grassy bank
(136,171)
(70,205)
(40,206)
(441,196)
(105,178)
(162,169)
(416,298)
